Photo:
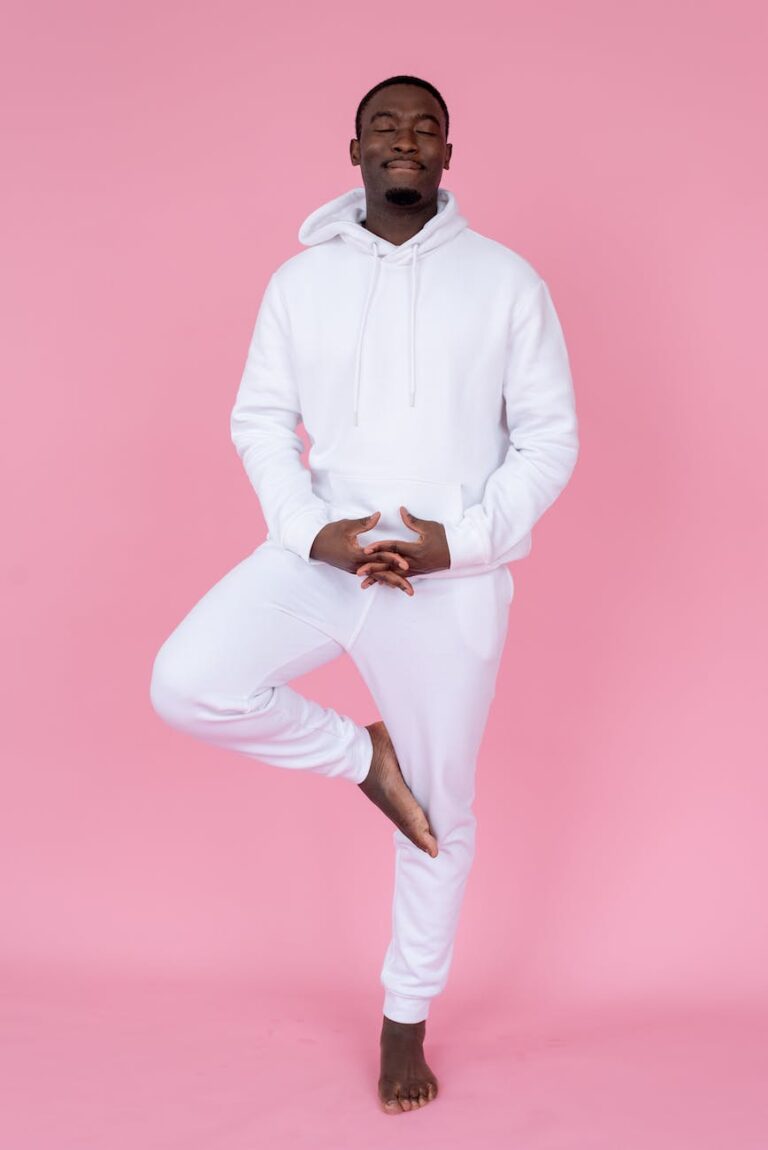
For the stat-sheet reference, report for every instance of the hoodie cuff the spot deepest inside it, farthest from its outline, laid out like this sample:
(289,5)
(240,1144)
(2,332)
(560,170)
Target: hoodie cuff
(468,543)
(300,532)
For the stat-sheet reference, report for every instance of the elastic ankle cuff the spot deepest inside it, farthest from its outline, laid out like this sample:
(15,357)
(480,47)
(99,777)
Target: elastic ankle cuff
(364,754)
(401,1008)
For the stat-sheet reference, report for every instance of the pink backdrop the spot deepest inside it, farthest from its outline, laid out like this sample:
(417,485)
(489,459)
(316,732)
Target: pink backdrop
(158,162)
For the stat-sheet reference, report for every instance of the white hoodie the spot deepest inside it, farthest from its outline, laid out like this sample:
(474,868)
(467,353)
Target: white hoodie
(431,374)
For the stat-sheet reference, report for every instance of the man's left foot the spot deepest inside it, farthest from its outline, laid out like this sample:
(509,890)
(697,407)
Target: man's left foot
(406,1082)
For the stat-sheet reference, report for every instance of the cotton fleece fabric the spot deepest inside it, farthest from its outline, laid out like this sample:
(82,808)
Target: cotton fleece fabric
(431,374)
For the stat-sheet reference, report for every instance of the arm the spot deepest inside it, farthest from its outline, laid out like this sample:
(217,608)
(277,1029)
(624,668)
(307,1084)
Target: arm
(263,423)
(543,438)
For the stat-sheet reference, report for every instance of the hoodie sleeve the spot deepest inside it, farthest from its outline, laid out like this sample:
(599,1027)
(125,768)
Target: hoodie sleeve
(263,422)
(543,439)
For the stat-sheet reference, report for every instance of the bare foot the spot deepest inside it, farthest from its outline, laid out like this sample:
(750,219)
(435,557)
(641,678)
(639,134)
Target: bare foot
(406,1082)
(385,786)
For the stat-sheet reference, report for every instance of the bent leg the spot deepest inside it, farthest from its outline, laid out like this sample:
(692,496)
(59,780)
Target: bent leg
(222,674)
(430,662)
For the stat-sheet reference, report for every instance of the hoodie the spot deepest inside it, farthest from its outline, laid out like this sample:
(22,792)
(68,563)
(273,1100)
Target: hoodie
(431,374)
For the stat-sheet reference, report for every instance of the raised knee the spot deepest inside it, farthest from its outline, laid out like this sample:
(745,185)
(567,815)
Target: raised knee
(170,691)
(187,692)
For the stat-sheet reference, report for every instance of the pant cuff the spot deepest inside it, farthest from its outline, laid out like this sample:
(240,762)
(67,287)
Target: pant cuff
(401,1008)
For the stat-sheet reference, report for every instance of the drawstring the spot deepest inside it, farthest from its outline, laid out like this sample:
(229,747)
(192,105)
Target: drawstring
(412,392)
(368,298)
(411,328)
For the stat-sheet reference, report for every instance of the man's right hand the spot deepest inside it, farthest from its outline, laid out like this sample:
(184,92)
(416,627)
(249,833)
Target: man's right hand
(337,545)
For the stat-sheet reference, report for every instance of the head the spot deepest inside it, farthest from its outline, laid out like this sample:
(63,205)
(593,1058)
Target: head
(401,142)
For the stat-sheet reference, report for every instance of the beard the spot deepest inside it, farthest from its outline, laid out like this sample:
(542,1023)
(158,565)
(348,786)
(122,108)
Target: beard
(403,196)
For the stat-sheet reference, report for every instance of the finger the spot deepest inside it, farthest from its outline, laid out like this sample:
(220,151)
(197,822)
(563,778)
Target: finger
(411,522)
(399,546)
(366,523)
(386,559)
(393,580)
(375,569)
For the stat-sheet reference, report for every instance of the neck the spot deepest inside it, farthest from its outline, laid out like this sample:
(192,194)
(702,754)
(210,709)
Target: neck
(397,223)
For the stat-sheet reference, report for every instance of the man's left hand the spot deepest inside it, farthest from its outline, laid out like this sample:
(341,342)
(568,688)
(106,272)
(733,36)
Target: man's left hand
(427,553)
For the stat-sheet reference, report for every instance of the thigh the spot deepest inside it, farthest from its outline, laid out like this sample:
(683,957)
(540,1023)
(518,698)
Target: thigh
(262,624)
(431,662)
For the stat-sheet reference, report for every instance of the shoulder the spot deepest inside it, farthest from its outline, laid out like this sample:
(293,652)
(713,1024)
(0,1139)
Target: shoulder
(497,258)
(293,272)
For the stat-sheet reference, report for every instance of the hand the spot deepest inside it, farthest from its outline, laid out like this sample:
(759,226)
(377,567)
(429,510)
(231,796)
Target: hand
(430,552)
(336,544)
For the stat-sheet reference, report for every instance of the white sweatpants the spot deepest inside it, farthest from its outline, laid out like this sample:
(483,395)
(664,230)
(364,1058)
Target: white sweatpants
(430,663)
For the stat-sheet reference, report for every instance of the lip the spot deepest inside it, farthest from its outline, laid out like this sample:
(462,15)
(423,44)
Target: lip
(409,165)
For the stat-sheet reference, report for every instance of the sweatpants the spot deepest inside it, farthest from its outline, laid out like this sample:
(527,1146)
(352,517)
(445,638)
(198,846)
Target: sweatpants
(430,662)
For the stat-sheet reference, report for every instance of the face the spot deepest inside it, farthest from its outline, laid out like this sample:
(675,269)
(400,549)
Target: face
(402,150)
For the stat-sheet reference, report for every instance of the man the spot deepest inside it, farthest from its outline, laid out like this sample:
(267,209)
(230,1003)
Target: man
(429,368)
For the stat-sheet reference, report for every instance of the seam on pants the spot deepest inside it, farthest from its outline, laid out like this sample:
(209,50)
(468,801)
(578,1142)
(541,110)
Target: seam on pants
(353,637)
(309,623)
(248,699)
(319,727)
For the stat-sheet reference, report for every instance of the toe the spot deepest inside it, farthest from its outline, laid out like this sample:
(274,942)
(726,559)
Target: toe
(389,1095)
(430,842)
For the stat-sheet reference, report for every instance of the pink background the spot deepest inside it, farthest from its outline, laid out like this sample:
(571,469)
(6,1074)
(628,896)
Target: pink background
(159,159)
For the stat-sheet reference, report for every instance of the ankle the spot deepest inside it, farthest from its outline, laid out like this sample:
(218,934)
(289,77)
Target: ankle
(412,1029)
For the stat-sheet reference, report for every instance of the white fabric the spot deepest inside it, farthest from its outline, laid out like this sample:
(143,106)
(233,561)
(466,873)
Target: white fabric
(430,663)
(431,374)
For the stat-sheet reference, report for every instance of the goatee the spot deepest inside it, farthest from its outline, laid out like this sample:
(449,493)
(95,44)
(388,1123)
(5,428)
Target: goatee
(403,196)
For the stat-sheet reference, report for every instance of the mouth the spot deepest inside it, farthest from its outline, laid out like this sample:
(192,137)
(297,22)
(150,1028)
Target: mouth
(406,165)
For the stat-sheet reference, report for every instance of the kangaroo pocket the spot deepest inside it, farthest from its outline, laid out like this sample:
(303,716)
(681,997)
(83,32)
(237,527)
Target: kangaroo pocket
(353,496)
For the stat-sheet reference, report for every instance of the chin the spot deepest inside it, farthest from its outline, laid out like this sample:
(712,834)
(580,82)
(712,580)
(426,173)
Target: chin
(404,194)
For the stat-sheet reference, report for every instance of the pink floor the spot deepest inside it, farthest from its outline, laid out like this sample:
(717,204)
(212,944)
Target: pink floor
(126,1064)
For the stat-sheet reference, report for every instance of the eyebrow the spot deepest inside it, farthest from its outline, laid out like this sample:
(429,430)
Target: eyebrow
(420,116)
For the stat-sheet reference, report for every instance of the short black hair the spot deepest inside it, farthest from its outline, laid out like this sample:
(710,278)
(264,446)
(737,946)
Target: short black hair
(398,80)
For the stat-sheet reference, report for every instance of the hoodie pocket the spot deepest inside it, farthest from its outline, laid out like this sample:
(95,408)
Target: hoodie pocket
(353,496)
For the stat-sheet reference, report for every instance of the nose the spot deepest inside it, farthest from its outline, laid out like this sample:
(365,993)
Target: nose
(405,140)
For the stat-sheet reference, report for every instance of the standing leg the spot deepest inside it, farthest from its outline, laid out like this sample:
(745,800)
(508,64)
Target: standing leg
(448,639)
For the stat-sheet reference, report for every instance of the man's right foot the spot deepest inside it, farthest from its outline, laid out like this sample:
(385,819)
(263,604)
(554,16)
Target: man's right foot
(385,786)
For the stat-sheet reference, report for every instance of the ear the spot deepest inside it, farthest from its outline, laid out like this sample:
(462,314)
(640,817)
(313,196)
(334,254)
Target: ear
(354,151)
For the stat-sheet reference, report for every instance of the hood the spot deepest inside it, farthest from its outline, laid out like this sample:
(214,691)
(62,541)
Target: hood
(343,217)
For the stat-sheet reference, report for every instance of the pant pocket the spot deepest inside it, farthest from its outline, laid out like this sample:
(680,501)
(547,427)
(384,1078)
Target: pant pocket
(480,611)
(511,582)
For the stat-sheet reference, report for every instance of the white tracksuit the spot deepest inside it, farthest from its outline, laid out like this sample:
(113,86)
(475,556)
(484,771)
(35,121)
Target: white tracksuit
(432,375)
